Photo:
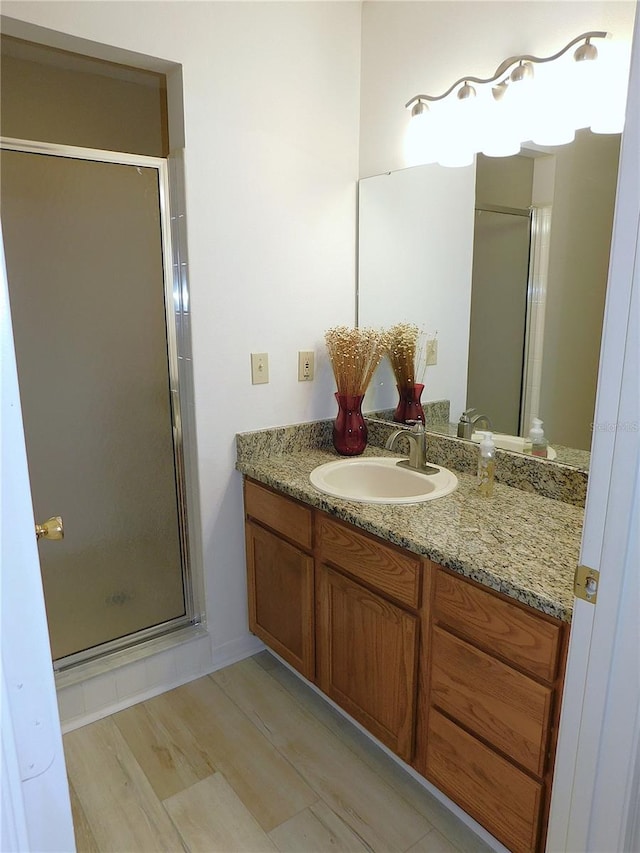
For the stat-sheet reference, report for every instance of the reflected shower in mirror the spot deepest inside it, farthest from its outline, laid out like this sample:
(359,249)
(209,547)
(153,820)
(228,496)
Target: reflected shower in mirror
(512,343)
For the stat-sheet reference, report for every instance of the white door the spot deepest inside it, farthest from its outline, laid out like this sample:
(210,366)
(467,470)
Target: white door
(594,807)
(36,813)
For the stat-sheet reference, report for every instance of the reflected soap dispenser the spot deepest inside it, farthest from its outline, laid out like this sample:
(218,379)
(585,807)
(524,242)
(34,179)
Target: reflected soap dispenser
(486,465)
(539,443)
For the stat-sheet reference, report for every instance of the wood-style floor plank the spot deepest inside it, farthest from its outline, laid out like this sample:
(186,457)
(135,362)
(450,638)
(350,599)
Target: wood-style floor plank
(317,830)
(389,770)
(248,759)
(372,809)
(433,842)
(85,841)
(266,783)
(170,764)
(122,810)
(211,819)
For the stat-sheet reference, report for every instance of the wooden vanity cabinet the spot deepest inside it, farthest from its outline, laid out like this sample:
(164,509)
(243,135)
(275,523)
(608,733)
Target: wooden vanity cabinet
(459,681)
(280,575)
(492,697)
(367,631)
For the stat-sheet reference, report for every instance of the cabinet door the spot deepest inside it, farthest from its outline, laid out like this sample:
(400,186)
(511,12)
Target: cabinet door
(280,585)
(367,658)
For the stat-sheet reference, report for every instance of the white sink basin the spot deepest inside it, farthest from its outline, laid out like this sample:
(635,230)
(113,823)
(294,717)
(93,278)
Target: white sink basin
(381,481)
(509,442)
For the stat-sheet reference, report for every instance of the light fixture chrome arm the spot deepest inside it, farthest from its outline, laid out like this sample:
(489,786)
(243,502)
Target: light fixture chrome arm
(507,64)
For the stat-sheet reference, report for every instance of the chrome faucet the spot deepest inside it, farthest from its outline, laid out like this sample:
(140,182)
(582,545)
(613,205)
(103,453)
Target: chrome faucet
(417,447)
(469,422)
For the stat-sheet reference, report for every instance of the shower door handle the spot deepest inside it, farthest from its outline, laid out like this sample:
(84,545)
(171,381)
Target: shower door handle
(52,528)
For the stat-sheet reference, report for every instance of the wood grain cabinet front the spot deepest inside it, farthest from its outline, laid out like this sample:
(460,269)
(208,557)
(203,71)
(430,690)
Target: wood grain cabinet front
(280,583)
(459,681)
(389,570)
(493,696)
(367,658)
(282,515)
(504,800)
(499,704)
(518,634)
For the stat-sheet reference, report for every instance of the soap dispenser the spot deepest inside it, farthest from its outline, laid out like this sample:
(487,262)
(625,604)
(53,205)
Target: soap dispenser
(539,443)
(486,465)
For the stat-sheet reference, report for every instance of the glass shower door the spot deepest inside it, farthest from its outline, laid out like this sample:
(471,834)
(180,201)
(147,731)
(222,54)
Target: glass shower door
(84,259)
(497,334)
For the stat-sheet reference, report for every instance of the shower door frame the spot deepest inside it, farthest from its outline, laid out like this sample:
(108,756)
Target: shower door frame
(176,310)
(539,217)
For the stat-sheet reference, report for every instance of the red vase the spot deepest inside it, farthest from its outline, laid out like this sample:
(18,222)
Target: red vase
(349,428)
(409,407)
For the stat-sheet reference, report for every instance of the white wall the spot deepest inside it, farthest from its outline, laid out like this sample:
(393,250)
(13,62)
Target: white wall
(408,273)
(411,48)
(271,121)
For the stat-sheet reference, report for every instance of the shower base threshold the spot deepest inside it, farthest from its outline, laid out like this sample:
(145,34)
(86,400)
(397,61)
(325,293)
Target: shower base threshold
(81,671)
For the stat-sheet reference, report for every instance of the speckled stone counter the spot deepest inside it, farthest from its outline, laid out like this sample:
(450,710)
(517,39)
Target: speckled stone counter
(552,479)
(570,456)
(521,544)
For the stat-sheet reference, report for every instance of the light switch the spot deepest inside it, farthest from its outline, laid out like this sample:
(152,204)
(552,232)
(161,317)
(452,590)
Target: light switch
(259,368)
(432,351)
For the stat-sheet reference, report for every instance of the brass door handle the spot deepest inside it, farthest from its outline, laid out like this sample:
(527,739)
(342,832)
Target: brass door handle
(52,528)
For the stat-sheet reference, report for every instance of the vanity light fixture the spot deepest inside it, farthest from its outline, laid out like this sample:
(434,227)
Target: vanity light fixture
(542,99)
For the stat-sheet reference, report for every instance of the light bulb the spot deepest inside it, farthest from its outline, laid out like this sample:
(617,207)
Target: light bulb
(553,121)
(421,138)
(501,136)
(522,73)
(610,88)
(459,123)
(587,52)
(583,82)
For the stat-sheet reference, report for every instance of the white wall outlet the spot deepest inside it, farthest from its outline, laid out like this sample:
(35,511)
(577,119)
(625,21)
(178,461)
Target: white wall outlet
(432,351)
(259,368)
(305,365)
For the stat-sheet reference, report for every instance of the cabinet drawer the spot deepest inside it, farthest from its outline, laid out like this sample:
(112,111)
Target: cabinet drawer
(388,570)
(499,796)
(502,706)
(281,514)
(522,638)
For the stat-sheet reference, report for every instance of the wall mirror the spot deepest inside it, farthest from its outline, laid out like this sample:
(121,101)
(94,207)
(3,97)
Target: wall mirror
(505,263)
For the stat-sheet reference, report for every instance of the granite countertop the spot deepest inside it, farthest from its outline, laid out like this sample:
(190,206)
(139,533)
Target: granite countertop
(521,544)
(580,459)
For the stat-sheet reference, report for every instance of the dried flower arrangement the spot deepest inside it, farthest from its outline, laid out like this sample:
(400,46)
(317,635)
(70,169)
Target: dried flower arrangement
(354,355)
(405,352)
(404,349)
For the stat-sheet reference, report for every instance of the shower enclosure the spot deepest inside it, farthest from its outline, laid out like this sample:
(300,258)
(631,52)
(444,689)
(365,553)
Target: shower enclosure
(499,315)
(96,318)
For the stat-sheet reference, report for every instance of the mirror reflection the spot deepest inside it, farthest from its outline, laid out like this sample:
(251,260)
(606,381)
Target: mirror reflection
(505,264)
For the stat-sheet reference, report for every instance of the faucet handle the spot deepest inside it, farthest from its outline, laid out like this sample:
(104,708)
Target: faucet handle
(416,426)
(465,416)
